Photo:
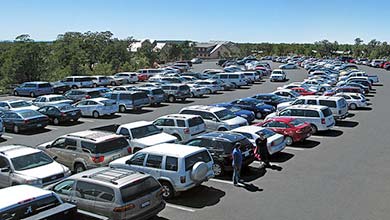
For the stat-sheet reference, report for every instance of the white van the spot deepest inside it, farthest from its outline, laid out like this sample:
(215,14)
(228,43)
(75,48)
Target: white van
(338,105)
(236,78)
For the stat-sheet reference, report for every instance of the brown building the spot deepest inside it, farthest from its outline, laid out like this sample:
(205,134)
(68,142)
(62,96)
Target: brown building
(216,50)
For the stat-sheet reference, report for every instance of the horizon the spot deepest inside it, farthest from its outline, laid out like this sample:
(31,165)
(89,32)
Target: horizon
(201,21)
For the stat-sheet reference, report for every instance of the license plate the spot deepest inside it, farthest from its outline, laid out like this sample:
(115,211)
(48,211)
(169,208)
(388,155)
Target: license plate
(39,125)
(145,204)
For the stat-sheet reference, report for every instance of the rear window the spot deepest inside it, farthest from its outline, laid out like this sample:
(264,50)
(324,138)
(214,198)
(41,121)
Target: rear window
(107,146)
(29,114)
(94,94)
(193,159)
(157,92)
(31,208)
(185,87)
(139,189)
(331,104)
(327,112)
(140,95)
(195,121)
(44,85)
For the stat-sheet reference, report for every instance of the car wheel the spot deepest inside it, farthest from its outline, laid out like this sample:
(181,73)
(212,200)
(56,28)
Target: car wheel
(322,89)
(94,85)
(122,109)
(32,95)
(218,169)
(192,95)
(178,137)
(235,85)
(56,121)
(209,91)
(16,129)
(171,98)
(113,84)
(352,106)
(74,87)
(183,99)
(313,129)
(95,114)
(16,93)
(289,140)
(222,129)
(168,190)
(78,168)
(258,115)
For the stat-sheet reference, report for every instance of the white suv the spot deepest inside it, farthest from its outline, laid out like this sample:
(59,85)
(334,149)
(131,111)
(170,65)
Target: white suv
(216,118)
(177,167)
(26,165)
(319,117)
(184,127)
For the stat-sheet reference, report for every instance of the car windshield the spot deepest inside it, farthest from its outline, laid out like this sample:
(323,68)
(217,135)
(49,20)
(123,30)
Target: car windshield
(30,161)
(267,133)
(57,98)
(19,104)
(66,107)
(295,94)
(225,114)
(234,109)
(297,122)
(28,114)
(145,131)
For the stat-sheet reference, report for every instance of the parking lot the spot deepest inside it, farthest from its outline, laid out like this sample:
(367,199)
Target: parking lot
(338,174)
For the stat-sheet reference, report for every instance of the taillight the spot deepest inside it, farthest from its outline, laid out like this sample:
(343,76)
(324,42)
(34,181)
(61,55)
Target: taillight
(300,131)
(124,208)
(87,96)
(186,130)
(182,179)
(160,193)
(323,121)
(129,150)
(26,121)
(98,159)
(63,114)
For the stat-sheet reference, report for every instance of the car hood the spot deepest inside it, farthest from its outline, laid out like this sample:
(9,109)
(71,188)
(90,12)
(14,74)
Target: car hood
(236,120)
(154,139)
(283,105)
(44,171)
(33,107)
(272,115)
(264,106)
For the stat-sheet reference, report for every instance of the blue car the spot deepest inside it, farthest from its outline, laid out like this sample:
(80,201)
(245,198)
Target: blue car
(248,115)
(258,107)
(22,120)
(34,89)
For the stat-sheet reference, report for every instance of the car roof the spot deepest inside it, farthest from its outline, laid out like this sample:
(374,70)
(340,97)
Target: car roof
(249,99)
(204,108)
(248,128)
(37,82)
(18,194)
(177,150)
(282,119)
(228,136)
(180,116)
(136,124)
(99,99)
(13,100)
(331,98)
(17,150)
(23,110)
(50,96)
(94,136)
(312,107)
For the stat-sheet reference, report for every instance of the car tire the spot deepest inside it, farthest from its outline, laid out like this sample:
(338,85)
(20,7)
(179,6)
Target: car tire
(218,169)
(352,106)
(235,85)
(95,114)
(171,98)
(32,95)
(183,99)
(222,129)
(122,109)
(322,89)
(289,140)
(168,190)
(314,129)
(15,129)
(113,84)
(258,115)
(56,121)
(94,85)
(209,91)
(178,137)
(79,167)
(16,93)
(192,95)
(74,87)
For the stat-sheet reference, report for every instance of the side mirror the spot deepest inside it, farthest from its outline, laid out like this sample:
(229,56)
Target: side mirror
(5,170)
(161,129)
(128,162)
(48,146)
(55,158)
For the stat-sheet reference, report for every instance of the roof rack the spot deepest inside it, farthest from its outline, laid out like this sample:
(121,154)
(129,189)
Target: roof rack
(79,136)
(109,175)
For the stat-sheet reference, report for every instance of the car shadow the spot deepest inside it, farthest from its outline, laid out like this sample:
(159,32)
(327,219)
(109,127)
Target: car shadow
(157,106)
(307,144)
(329,133)
(202,97)
(110,116)
(35,131)
(280,157)
(244,87)
(372,92)
(69,123)
(185,102)
(378,84)
(351,115)
(138,112)
(2,140)
(370,95)
(347,124)
(199,197)
(158,218)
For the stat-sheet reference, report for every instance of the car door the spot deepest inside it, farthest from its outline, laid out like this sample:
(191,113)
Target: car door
(66,190)
(65,150)
(154,165)
(211,120)
(85,196)
(136,162)
(82,105)
(4,173)
(91,106)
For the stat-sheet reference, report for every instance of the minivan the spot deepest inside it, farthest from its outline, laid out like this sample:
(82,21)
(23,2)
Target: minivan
(76,82)
(236,78)
(34,89)
(129,100)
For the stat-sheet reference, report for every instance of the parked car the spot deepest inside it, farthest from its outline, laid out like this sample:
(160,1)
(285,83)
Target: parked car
(60,113)
(24,120)
(60,87)
(317,84)
(343,89)
(288,66)
(110,193)
(278,75)
(177,167)
(140,134)
(123,88)
(248,115)
(319,117)
(220,145)
(81,94)
(198,90)
(34,89)
(183,127)
(17,105)
(97,107)
(271,99)
(216,118)
(51,100)
(76,82)
(100,81)
(294,130)
(196,61)
(303,91)
(212,86)
(88,149)
(236,78)
(176,91)
(365,88)
(258,107)
(287,93)
(156,95)
(26,165)
(133,100)
(31,203)
(129,76)
(354,100)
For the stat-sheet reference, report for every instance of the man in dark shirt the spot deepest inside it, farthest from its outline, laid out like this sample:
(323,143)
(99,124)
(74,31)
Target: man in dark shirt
(236,163)
(262,150)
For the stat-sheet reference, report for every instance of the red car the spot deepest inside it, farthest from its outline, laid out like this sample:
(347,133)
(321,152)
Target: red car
(341,89)
(303,91)
(293,129)
(142,77)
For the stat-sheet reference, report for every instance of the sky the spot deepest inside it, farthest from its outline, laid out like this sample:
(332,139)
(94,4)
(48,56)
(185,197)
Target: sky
(299,21)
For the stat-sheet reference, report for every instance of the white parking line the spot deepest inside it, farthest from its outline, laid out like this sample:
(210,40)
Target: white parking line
(51,128)
(180,207)
(221,181)
(260,163)
(295,148)
(319,137)
(7,137)
(86,120)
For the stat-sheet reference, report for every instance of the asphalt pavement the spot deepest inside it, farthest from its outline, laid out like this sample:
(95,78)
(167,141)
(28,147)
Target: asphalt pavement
(340,174)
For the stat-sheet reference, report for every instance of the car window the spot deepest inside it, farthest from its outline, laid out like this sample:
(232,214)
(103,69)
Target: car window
(299,102)
(285,113)
(247,135)
(297,112)
(207,143)
(59,143)
(311,102)
(3,162)
(124,132)
(65,187)
(327,112)
(329,103)
(171,163)
(154,161)
(181,123)
(95,192)
(312,113)
(138,159)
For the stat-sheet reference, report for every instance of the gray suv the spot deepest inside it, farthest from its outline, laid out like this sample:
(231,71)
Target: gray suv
(176,91)
(108,193)
(87,149)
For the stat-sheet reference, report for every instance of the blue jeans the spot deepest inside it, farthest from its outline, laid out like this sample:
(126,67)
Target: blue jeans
(236,174)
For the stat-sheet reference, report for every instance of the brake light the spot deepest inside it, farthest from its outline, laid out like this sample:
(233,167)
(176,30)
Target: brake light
(26,201)
(300,131)
(323,121)
(124,208)
(160,193)
(26,121)
(87,96)
(129,150)
(186,130)
(98,159)
(182,179)
(62,114)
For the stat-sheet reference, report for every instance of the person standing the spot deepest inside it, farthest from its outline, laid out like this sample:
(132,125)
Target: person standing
(262,150)
(236,163)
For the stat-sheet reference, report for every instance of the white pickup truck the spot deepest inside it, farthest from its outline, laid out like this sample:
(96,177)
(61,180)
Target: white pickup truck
(141,134)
